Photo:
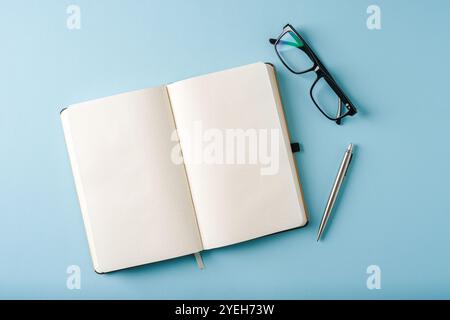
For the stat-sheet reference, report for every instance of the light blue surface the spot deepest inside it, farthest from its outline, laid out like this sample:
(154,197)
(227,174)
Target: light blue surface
(395,209)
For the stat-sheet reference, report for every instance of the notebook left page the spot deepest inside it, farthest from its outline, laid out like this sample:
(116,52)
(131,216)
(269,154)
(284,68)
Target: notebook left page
(135,201)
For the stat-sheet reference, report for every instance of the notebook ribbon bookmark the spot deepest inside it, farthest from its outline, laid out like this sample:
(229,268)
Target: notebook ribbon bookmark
(198,258)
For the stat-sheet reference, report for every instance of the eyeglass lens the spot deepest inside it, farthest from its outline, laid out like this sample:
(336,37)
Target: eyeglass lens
(289,49)
(326,99)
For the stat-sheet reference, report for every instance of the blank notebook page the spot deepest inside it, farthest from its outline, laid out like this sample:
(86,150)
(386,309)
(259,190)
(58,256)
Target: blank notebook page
(135,201)
(235,202)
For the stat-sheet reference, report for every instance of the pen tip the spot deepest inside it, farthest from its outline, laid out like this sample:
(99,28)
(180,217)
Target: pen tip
(350,147)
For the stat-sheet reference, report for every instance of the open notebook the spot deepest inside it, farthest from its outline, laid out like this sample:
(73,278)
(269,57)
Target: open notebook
(140,206)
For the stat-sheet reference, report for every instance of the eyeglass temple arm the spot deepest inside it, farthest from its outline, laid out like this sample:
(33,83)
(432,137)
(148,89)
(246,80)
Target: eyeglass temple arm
(289,43)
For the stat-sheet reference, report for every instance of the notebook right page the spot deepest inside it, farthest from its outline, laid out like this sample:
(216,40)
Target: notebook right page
(236,148)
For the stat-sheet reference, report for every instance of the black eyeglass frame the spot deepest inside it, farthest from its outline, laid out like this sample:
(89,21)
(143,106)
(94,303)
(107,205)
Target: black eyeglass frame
(321,72)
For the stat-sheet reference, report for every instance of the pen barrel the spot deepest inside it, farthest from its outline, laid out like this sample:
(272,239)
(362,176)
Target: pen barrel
(338,181)
(335,190)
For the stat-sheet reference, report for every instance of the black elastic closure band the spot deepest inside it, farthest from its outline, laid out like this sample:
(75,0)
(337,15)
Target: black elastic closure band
(295,147)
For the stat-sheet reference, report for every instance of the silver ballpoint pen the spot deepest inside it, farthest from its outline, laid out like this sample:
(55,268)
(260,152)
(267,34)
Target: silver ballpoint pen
(335,190)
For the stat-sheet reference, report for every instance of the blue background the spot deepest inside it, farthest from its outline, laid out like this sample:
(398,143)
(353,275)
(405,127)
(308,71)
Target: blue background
(394,211)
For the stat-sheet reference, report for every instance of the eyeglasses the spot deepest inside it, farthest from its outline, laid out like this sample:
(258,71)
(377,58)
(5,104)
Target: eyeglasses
(299,58)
